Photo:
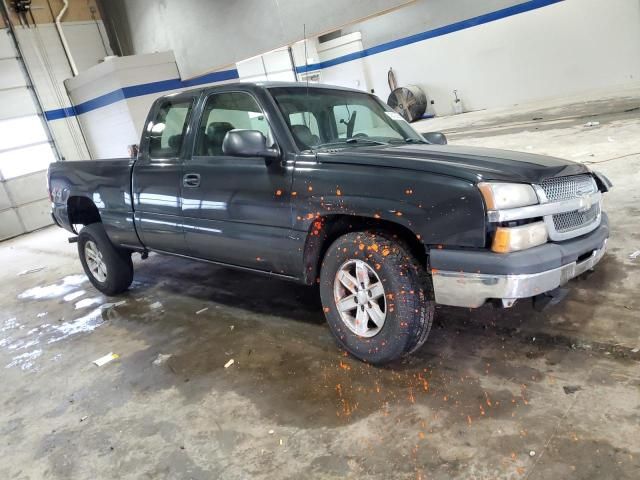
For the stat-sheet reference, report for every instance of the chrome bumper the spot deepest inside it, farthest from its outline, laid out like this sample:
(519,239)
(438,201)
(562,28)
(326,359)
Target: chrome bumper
(472,290)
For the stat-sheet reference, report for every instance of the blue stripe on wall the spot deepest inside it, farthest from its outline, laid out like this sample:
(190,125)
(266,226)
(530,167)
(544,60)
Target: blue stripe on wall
(437,32)
(173,84)
(138,91)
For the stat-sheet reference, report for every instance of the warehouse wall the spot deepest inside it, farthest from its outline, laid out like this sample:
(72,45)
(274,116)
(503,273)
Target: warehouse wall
(207,35)
(564,48)
(561,48)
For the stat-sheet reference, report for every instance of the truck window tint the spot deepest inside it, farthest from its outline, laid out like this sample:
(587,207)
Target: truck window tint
(366,122)
(308,119)
(224,112)
(166,131)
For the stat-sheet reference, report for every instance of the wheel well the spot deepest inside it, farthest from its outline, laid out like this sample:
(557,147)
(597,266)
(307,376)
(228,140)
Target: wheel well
(326,229)
(82,210)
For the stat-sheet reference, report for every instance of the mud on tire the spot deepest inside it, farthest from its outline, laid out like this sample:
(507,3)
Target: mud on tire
(408,304)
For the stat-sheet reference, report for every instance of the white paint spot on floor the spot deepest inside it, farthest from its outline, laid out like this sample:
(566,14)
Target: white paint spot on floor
(73,295)
(25,361)
(42,314)
(66,285)
(88,302)
(87,323)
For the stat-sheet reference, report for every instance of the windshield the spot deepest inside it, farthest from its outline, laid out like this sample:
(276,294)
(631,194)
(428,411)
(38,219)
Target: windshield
(324,118)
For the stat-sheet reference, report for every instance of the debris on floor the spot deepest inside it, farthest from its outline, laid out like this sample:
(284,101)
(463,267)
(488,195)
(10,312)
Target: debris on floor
(271,432)
(31,270)
(591,124)
(202,310)
(229,363)
(635,255)
(84,418)
(161,358)
(111,305)
(42,314)
(569,389)
(532,453)
(155,306)
(106,359)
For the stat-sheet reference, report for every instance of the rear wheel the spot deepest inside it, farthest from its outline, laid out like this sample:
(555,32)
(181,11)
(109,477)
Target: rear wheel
(108,268)
(377,297)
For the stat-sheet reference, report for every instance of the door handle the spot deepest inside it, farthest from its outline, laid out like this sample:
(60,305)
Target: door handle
(191,180)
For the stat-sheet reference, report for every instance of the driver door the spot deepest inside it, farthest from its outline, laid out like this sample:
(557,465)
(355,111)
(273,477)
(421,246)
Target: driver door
(236,210)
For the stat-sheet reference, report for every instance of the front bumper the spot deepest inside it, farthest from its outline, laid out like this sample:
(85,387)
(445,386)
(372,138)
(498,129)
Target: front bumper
(470,278)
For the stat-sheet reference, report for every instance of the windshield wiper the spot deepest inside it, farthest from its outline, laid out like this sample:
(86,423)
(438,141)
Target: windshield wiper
(351,141)
(406,140)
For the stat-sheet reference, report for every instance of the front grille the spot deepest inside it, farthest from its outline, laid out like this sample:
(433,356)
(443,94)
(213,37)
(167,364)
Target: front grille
(566,222)
(566,188)
(564,226)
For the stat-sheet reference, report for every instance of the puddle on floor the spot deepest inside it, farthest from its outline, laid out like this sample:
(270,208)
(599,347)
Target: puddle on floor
(64,287)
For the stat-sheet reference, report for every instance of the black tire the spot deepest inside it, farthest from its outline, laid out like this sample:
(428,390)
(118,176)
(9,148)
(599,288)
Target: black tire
(119,267)
(407,290)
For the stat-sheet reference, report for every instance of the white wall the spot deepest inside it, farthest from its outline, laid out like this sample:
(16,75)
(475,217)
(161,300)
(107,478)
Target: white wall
(111,128)
(560,49)
(48,66)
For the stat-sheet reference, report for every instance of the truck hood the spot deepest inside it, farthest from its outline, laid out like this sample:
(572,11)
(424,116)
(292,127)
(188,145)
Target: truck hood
(469,163)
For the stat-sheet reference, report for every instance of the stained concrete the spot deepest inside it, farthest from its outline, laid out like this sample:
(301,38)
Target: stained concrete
(493,393)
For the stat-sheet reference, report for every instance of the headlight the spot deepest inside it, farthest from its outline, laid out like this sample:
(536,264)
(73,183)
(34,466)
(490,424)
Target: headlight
(498,196)
(519,238)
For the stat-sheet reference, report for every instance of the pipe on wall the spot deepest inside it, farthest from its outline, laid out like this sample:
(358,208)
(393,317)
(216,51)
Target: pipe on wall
(65,45)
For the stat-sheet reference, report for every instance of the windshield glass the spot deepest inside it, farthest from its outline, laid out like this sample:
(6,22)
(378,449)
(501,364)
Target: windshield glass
(324,117)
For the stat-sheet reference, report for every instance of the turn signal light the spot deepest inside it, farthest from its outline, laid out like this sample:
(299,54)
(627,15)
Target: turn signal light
(514,239)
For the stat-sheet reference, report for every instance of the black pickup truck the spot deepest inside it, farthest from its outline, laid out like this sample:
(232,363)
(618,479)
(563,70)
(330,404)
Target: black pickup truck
(329,186)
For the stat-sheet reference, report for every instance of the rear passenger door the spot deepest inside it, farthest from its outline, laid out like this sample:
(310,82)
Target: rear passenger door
(236,210)
(157,175)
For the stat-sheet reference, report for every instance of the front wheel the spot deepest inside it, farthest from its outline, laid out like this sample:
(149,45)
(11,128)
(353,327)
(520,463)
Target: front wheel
(109,269)
(377,298)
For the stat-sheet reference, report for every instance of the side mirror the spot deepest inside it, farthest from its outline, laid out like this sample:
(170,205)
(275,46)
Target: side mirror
(247,143)
(435,138)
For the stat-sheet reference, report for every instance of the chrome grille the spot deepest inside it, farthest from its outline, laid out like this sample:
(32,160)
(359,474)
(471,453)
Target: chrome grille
(566,222)
(566,188)
(563,226)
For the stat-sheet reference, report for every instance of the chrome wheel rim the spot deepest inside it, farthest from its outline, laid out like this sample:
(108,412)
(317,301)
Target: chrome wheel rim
(96,265)
(360,300)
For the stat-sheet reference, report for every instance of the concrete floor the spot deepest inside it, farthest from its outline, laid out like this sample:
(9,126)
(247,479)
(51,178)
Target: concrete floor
(493,394)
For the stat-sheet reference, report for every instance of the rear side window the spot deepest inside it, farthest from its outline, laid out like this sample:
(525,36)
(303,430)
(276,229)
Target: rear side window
(166,131)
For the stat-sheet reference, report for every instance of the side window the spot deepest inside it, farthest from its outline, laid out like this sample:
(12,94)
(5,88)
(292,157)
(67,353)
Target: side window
(166,131)
(224,112)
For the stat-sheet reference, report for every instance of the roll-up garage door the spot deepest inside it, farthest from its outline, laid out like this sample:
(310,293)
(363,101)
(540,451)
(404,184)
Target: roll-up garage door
(25,148)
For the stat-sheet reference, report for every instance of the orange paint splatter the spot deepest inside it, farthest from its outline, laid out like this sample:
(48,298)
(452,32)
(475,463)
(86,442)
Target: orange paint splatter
(361,246)
(385,252)
(344,366)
